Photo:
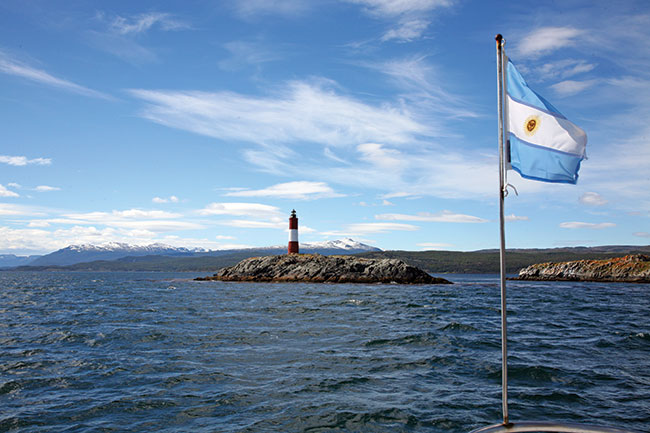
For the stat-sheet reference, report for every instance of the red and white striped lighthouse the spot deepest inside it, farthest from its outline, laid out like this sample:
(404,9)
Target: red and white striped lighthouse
(293,233)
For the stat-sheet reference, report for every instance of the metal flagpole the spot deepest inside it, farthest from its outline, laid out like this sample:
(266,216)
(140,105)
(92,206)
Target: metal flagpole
(502,250)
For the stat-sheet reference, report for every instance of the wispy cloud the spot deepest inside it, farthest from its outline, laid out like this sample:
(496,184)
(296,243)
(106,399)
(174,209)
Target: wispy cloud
(642,234)
(441,217)
(299,190)
(20,161)
(11,66)
(245,53)
(255,8)
(563,69)
(583,225)
(545,40)
(571,87)
(143,22)
(122,35)
(424,86)
(406,30)
(411,16)
(46,188)
(300,112)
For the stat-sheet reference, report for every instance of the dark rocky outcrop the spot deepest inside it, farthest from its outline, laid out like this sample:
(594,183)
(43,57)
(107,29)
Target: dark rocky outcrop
(634,268)
(324,269)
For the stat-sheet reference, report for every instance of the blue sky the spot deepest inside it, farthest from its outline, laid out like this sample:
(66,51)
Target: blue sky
(202,124)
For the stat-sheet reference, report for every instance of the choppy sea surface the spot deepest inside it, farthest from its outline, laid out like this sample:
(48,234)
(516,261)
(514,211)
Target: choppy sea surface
(101,352)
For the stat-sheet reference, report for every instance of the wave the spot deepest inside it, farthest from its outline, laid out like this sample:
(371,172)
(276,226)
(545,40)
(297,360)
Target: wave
(455,326)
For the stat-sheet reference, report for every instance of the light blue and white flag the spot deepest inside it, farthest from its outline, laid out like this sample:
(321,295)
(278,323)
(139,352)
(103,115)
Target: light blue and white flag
(544,145)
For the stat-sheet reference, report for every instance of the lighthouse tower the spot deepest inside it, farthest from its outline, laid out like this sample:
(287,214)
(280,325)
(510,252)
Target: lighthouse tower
(293,233)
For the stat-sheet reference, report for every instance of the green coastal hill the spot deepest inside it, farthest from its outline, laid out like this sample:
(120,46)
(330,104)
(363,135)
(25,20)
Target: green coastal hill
(436,262)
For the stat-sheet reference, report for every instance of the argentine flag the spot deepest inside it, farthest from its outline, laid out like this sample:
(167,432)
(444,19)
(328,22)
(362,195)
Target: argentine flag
(544,145)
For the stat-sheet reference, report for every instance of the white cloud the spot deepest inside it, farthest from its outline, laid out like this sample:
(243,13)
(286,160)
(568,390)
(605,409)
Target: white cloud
(571,87)
(361,229)
(433,245)
(381,157)
(583,225)
(161,200)
(642,234)
(36,240)
(545,40)
(242,209)
(593,199)
(398,194)
(299,190)
(153,221)
(46,188)
(11,66)
(39,223)
(224,237)
(415,173)
(15,209)
(513,217)
(4,192)
(124,214)
(20,161)
(442,217)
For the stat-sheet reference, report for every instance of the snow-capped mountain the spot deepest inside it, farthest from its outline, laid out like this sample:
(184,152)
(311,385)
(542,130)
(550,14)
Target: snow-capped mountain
(339,244)
(120,246)
(110,251)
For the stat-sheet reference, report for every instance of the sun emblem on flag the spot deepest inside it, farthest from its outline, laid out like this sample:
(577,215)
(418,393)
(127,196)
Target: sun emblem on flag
(531,125)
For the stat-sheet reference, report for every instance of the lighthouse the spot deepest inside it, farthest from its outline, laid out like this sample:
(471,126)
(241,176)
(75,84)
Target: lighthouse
(293,233)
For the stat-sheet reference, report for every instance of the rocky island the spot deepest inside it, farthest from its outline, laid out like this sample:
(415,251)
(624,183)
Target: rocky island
(315,268)
(634,268)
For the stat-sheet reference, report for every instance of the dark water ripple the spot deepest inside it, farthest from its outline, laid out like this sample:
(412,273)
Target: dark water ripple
(91,352)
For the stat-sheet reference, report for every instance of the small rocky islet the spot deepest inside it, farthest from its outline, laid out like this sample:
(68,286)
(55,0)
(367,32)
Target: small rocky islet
(633,268)
(316,268)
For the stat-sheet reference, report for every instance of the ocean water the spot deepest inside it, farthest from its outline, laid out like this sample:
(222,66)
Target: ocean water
(101,352)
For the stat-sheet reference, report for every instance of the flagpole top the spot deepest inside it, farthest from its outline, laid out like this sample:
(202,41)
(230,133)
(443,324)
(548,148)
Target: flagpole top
(500,40)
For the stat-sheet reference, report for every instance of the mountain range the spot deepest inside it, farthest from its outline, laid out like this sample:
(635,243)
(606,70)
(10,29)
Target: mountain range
(85,253)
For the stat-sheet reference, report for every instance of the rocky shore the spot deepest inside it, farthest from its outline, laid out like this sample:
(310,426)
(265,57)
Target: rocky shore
(316,268)
(634,268)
